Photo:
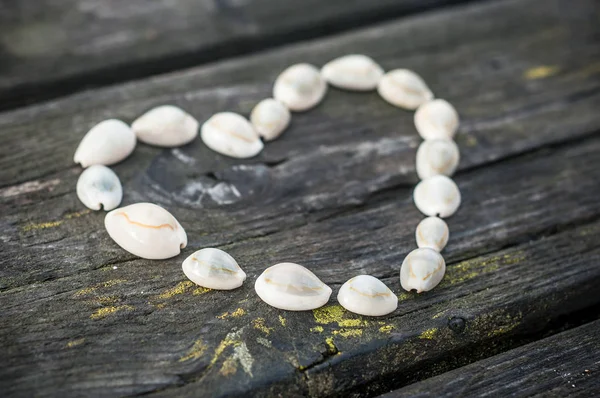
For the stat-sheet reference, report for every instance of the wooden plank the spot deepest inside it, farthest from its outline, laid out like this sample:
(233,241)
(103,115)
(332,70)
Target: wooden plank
(49,48)
(566,364)
(109,324)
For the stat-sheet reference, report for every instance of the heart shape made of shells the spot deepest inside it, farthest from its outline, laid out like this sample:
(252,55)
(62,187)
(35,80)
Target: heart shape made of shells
(149,231)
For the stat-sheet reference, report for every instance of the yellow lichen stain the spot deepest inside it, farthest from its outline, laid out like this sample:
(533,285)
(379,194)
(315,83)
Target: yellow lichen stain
(352,322)
(179,289)
(229,367)
(232,339)
(106,300)
(85,291)
(330,344)
(44,225)
(317,329)
(386,329)
(501,321)
(161,305)
(92,289)
(471,141)
(74,343)
(404,296)
(113,282)
(541,72)
(439,314)
(282,320)
(470,269)
(77,214)
(105,311)
(195,352)
(329,314)
(428,334)
(259,324)
(348,332)
(201,290)
(237,313)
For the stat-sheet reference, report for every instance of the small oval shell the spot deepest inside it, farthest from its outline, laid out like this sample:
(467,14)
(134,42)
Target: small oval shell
(300,87)
(270,118)
(214,269)
(437,157)
(146,230)
(423,269)
(98,187)
(404,88)
(432,232)
(437,196)
(165,126)
(353,72)
(232,135)
(292,287)
(106,143)
(367,295)
(436,119)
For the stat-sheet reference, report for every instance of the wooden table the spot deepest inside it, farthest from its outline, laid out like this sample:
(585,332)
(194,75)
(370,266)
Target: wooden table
(518,310)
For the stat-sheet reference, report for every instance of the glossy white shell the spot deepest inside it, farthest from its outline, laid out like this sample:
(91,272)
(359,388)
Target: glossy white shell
(300,87)
(146,230)
(422,270)
(214,269)
(292,287)
(270,118)
(353,72)
(437,157)
(404,88)
(106,143)
(165,126)
(232,135)
(367,295)
(436,119)
(98,187)
(432,232)
(437,196)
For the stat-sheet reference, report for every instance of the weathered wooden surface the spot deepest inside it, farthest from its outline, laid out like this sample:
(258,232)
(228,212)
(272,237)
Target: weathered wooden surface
(48,48)
(563,365)
(333,193)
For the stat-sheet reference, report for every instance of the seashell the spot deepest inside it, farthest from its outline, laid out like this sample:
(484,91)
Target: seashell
(146,230)
(437,196)
(269,118)
(367,295)
(432,232)
(353,72)
(214,269)
(292,287)
(98,187)
(437,157)
(232,135)
(300,87)
(436,119)
(165,126)
(106,143)
(422,269)
(404,88)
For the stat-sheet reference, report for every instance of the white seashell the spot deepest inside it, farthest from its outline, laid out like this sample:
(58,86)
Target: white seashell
(106,143)
(166,126)
(436,119)
(292,287)
(404,88)
(231,134)
(367,295)
(432,232)
(437,196)
(353,72)
(269,118)
(98,187)
(214,269)
(423,269)
(437,157)
(146,230)
(300,87)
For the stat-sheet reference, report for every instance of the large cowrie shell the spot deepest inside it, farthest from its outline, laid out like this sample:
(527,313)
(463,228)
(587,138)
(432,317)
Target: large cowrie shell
(437,196)
(213,269)
(404,88)
(270,118)
(422,270)
(98,187)
(165,126)
(437,157)
(106,143)
(432,232)
(232,135)
(367,295)
(300,87)
(436,119)
(353,72)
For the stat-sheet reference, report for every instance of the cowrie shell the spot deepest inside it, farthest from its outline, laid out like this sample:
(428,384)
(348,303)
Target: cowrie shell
(213,269)
(437,196)
(106,143)
(165,126)
(270,118)
(432,232)
(353,72)
(146,230)
(232,135)
(292,287)
(300,87)
(440,156)
(367,295)
(422,270)
(436,119)
(404,88)
(98,187)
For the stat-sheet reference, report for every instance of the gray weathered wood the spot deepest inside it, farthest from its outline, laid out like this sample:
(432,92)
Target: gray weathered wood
(333,194)
(566,364)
